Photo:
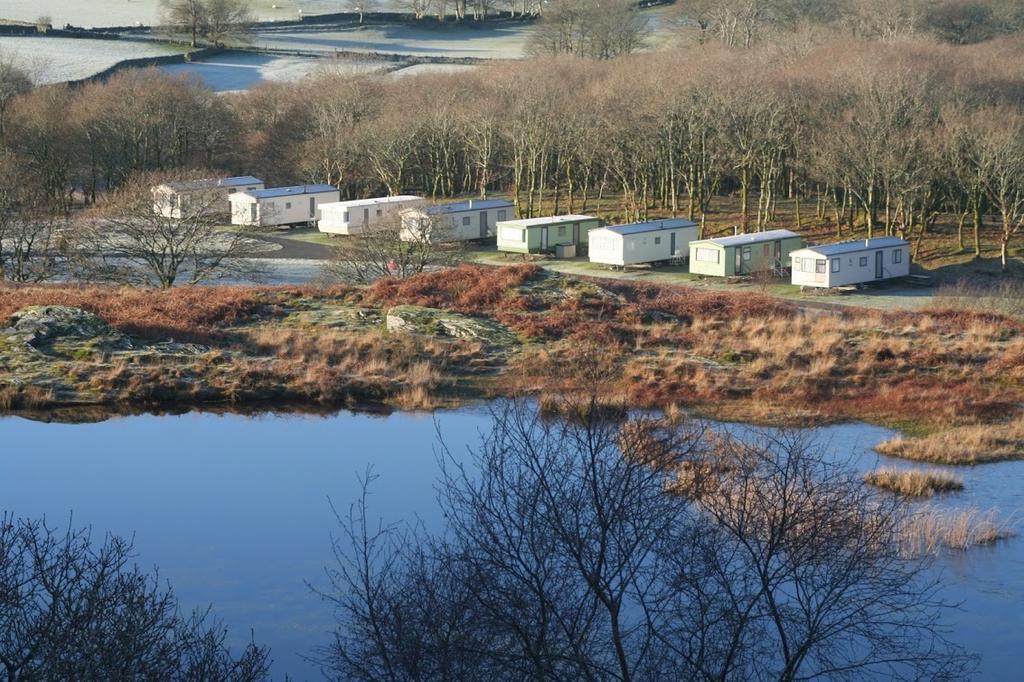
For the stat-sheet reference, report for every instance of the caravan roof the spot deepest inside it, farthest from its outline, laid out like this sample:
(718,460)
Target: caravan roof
(548,220)
(354,203)
(653,226)
(751,238)
(206,183)
(290,191)
(471,205)
(854,246)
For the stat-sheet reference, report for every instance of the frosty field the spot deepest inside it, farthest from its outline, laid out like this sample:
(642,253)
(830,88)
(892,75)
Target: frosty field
(419,69)
(98,13)
(233,71)
(500,41)
(52,60)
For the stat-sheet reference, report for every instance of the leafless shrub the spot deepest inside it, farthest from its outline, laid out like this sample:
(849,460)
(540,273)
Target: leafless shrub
(567,555)
(71,608)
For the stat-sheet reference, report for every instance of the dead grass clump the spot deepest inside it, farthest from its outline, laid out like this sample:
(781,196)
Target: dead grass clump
(1005,298)
(930,530)
(196,314)
(471,289)
(914,482)
(961,445)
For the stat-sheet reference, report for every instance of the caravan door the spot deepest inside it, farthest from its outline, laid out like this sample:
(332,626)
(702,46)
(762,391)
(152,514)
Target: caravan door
(483,224)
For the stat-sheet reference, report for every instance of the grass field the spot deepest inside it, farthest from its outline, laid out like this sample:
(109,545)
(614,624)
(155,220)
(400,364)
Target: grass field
(54,60)
(99,13)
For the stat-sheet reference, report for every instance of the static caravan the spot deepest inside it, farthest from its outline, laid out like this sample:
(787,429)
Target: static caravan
(857,262)
(743,254)
(174,199)
(638,243)
(362,215)
(281,205)
(460,221)
(545,235)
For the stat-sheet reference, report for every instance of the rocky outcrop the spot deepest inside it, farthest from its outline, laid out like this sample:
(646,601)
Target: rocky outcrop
(434,322)
(44,326)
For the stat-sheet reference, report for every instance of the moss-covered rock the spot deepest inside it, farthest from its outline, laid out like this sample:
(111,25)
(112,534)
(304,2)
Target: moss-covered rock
(434,322)
(46,326)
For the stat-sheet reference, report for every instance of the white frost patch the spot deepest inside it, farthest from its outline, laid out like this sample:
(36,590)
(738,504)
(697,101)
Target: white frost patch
(53,60)
(419,69)
(99,13)
(504,41)
(234,71)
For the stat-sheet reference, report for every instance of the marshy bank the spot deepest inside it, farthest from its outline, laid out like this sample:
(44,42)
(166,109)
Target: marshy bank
(478,332)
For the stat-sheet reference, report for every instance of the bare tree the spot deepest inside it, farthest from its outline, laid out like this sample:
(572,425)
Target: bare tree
(215,20)
(594,548)
(188,14)
(74,609)
(13,82)
(130,240)
(226,20)
(29,231)
(389,250)
(589,28)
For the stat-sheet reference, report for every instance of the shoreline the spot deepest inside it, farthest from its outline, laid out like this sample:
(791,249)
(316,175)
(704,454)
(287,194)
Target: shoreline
(479,333)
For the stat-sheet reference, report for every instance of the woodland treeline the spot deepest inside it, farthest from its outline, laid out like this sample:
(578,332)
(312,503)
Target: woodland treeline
(866,137)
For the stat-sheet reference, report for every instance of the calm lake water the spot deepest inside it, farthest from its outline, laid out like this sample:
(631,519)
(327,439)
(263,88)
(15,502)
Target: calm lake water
(234,510)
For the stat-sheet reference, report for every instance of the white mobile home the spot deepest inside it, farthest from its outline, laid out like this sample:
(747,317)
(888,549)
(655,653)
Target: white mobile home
(460,221)
(211,195)
(281,205)
(651,242)
(856,262)
(363,215)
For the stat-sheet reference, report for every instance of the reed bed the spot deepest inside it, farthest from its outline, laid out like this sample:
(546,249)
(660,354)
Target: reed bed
(961,445)
(914,482)
(931,530)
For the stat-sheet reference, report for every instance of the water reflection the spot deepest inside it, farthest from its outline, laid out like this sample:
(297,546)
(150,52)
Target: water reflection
(233,509)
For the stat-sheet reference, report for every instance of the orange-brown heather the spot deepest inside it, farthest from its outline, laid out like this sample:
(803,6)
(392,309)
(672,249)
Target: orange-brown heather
(736,355)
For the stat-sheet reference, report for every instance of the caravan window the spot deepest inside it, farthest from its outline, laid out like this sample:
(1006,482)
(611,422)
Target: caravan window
(835,265)
(345,217)
(746,253)
(501,215)
(511,234)
(287,204)
(379,213)
(705,255)
(561,230)
(465,220)
(897,256)
(819,267)
(863,261)
(657,240)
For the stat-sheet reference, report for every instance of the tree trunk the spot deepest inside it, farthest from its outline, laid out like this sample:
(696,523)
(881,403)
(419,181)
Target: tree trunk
(745,199)
(978,224)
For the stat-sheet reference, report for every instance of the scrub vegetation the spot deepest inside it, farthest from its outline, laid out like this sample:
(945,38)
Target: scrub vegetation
(477,331)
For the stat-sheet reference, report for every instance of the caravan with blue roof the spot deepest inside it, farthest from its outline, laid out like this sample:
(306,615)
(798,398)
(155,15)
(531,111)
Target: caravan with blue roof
(298,205)
(208,195)
(458,221)
(854,262)
(642,243)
